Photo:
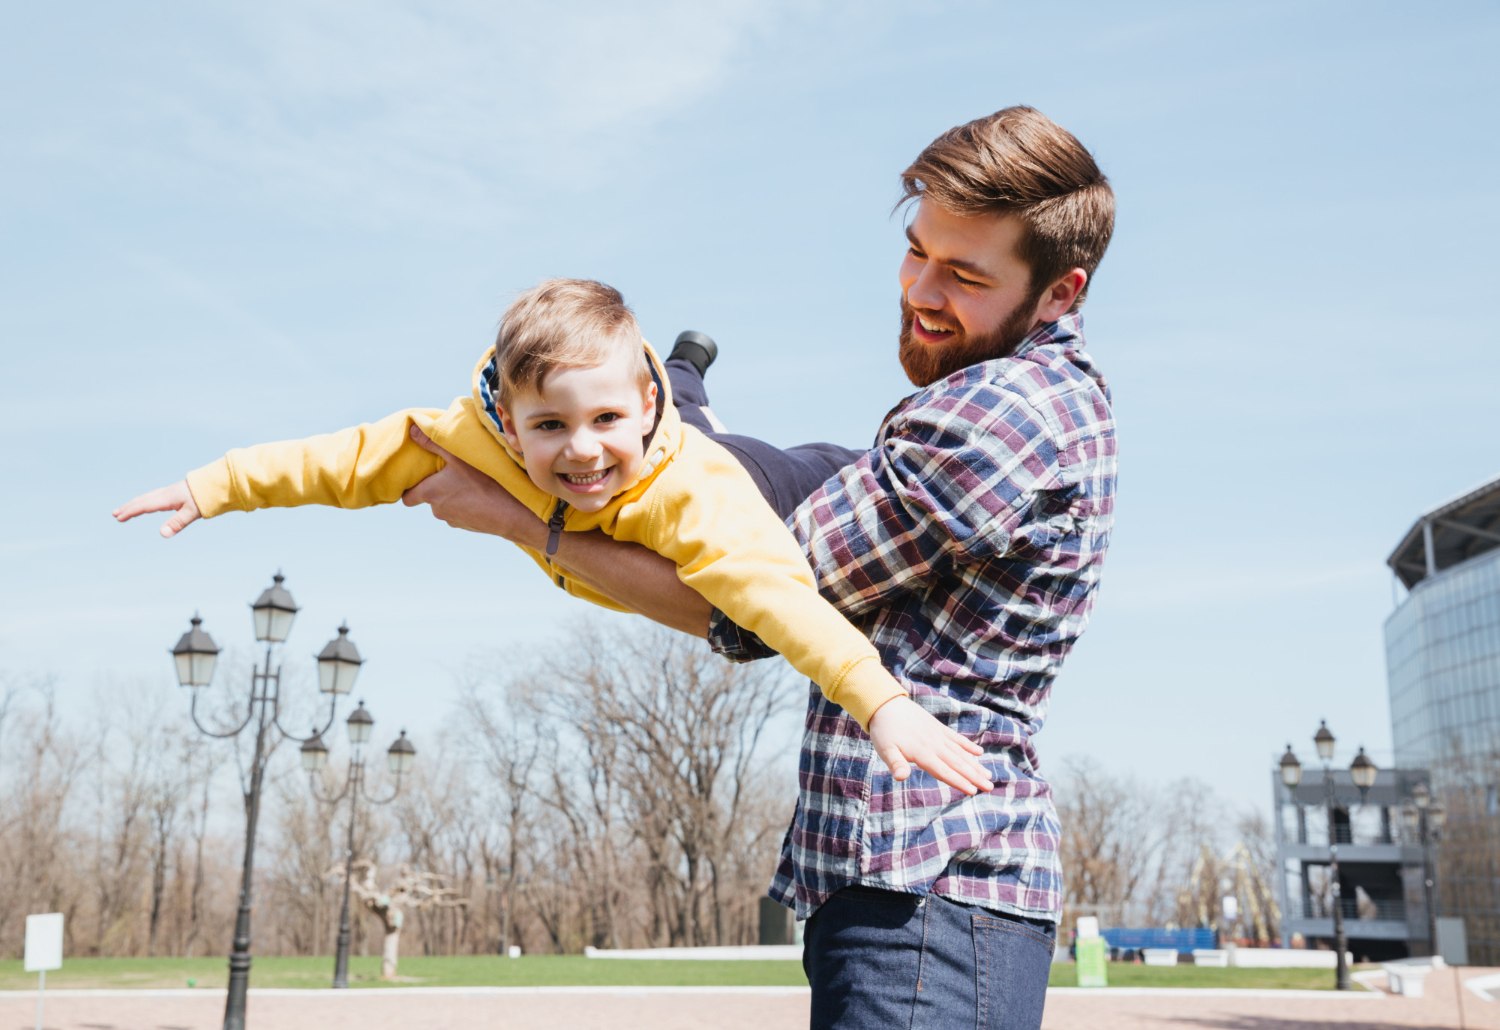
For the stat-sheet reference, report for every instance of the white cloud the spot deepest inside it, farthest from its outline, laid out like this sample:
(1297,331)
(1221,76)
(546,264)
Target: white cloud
(396,110)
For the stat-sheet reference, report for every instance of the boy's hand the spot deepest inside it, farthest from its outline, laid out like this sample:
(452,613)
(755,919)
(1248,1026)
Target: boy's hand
(176,498)
(906,734)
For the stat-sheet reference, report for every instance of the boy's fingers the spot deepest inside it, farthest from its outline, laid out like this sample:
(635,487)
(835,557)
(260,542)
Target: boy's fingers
(177,523)
(153,501)
(896,761)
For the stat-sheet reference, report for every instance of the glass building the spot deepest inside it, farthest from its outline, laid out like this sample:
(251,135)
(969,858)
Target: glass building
(1443,669)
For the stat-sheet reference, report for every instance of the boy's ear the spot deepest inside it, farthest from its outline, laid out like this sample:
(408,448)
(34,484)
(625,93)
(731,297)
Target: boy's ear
(508,428)
(649,396)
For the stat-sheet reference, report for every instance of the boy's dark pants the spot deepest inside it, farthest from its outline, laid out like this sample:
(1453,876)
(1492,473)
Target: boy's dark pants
(785,477)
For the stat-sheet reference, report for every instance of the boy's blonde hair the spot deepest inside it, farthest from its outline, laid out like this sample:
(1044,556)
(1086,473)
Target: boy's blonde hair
(564,323)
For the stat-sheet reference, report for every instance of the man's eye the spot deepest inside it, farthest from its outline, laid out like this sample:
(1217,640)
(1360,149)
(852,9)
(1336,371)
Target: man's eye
(966,281)
(914,252)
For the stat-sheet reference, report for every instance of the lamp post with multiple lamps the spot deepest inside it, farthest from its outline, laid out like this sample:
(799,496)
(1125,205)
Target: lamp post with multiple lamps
(196,655)
(1362,771)
(400,757)
(1424,817)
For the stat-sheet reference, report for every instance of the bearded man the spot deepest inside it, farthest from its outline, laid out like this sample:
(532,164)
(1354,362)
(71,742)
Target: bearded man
(967,542)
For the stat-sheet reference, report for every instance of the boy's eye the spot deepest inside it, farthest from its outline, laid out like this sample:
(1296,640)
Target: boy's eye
(548,425)
(608,416)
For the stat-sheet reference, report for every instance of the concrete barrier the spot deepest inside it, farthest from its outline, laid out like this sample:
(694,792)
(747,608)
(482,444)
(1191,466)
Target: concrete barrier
(1210,957)
(1408,976)
(1159,956)
(1283,958)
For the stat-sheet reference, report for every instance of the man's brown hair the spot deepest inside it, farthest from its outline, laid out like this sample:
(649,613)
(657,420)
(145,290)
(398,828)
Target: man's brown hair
(1019,162)
(564,323)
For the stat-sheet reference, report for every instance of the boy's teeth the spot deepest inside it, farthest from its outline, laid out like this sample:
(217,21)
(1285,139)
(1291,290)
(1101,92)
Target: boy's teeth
(584,478)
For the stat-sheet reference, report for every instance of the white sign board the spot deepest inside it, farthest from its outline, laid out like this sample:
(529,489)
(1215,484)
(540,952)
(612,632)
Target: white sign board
(1088,926)
(44,940)
(1231,906)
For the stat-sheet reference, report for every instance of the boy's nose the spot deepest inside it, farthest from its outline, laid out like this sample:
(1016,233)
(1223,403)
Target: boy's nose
(582,447)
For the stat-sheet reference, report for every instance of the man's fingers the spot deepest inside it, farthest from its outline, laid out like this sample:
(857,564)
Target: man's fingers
(417,494)
(422,440)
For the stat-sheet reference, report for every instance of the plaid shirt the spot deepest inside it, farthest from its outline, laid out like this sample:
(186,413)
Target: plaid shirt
(967,544)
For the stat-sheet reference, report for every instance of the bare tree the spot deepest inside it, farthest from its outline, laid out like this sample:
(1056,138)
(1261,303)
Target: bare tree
(43,765)
(686,729)
(412,890)
(1113,839)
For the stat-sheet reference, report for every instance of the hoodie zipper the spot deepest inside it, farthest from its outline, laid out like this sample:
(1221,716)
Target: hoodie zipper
(554,533)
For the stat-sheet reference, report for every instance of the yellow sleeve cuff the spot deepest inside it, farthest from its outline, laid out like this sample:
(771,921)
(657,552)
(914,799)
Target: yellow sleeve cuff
(863,687)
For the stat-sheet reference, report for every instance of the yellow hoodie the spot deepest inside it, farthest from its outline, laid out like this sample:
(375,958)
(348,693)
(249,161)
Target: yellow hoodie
(692,503)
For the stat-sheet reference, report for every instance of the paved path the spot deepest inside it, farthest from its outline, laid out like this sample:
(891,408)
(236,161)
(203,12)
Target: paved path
(709,1008)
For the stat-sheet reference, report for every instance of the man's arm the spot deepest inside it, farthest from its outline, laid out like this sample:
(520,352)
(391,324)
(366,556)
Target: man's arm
(632,576)
(642,580)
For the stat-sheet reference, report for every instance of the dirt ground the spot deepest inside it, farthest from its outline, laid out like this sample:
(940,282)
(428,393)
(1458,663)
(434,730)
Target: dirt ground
(1442,1008)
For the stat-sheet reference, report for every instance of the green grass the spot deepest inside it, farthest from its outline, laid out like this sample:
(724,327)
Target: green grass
(567,970)
(414,971)
(1130,974)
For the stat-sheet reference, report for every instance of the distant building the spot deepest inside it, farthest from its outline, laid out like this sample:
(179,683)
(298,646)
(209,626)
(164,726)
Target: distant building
(1377,868)
(1443,668)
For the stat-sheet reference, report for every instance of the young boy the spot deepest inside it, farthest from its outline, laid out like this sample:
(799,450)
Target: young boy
(570,413)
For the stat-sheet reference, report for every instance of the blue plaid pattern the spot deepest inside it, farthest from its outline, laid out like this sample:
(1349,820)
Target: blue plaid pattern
(967,544)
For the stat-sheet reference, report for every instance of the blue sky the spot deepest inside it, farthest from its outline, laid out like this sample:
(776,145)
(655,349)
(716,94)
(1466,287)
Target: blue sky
(227,224)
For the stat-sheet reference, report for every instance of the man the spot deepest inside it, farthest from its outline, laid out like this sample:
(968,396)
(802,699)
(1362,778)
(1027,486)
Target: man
(967,544)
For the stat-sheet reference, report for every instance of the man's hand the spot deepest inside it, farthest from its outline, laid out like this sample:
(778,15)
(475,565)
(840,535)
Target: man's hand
(176,498)
(906,734)
(466,498)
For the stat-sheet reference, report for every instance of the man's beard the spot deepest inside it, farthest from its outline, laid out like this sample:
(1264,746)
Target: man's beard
(926,363)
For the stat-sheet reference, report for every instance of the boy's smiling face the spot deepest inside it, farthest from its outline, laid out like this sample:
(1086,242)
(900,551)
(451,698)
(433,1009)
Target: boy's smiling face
(582,433)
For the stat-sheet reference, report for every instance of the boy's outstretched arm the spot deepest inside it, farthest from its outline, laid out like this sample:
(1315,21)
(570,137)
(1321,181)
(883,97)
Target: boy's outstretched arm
(176,498)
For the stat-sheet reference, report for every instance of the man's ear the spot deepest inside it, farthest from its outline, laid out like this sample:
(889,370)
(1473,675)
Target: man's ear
(508,428)
(1057,300)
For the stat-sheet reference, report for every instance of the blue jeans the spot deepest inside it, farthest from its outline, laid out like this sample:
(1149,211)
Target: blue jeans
(892,961)
(785,477)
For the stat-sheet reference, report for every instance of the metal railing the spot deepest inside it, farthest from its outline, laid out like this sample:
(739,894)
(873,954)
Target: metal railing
(1356,909)
(1342,835)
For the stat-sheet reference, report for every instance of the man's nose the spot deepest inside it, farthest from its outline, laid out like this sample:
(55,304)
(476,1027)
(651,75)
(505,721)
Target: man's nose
(923,291)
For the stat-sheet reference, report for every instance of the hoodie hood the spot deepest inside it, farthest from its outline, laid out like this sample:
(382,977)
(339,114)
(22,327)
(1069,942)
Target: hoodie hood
(664,440)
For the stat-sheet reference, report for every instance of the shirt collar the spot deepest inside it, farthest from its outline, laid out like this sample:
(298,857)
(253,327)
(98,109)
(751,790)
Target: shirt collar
(1066,332)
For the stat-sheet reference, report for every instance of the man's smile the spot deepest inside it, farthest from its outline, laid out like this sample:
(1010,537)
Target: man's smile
(929,331)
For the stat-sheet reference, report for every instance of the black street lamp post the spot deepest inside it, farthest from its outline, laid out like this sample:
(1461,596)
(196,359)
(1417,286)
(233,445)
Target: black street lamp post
(195,655)
(400,757)
(1424,818)
(1362,770)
